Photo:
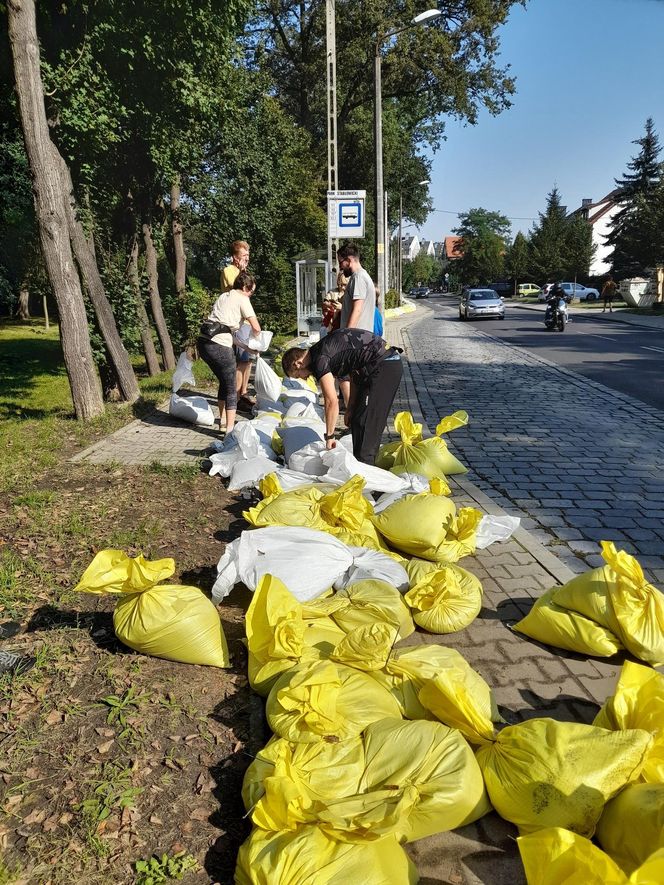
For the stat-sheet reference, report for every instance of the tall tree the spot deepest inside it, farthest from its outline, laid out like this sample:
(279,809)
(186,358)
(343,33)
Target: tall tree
(631,235)
(579,247)
(517,260)
(548,240)
(446,69)
(50,206)
(484,235)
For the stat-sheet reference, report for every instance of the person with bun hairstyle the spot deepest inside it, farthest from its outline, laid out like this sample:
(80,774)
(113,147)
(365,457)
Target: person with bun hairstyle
(215,343)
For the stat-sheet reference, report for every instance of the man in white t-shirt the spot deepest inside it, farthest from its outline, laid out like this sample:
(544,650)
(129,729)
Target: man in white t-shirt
(359,302)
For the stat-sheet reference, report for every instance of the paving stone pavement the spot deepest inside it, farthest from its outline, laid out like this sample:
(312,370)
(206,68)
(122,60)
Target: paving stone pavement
(509,437)
(529,679)
(155,438)
(577,461)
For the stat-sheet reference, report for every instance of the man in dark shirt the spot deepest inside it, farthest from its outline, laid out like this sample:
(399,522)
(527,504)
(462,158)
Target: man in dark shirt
(375,372)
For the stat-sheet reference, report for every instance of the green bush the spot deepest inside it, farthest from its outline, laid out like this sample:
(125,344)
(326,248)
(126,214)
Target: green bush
(392,299)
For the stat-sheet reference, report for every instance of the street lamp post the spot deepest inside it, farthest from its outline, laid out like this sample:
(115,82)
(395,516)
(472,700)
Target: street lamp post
(378,142)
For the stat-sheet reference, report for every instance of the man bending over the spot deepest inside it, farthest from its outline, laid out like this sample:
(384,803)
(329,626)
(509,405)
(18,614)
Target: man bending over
(375,372)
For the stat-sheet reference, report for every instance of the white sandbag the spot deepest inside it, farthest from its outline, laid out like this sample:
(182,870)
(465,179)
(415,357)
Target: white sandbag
(183,373)
(246,474)
(192,409)
(296,438)
(416,484)
(245,336)
(342,465)
(495,528)
(309,411)
(308,562)
(308,459)
(268,405)
(374,565)
(223,462)
(254,439)
(266,381)
(293,479)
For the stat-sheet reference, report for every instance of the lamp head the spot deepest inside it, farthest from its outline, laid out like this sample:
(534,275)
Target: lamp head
(426,16)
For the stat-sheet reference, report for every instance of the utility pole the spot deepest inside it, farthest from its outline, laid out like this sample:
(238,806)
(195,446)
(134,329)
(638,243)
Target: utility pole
(332,158)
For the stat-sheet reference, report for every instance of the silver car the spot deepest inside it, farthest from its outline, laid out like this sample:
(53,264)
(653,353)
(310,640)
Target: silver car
(481,303)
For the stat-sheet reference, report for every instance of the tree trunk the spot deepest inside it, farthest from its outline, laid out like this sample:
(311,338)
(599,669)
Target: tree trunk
(23,310)
(151,358)
(118,356)
(49,199)
(167,354)
(178,241)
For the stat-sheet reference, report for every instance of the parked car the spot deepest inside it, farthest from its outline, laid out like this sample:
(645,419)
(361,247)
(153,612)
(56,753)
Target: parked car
(502,287)
(572,291)
(527,290)
(481,303)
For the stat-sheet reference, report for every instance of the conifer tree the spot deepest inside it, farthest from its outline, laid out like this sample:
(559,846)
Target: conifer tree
(517,259)
(631,236)
(548,240)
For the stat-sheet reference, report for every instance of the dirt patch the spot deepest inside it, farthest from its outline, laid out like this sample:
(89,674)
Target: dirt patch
(108,757)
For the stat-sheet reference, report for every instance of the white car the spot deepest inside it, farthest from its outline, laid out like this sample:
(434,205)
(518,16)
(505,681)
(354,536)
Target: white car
(572,291)
(481,303)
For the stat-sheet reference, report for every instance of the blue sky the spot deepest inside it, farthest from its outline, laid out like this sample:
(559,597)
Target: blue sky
(588,74)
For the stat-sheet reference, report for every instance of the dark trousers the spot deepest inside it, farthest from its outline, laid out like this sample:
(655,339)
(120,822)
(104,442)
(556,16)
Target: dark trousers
(371,409)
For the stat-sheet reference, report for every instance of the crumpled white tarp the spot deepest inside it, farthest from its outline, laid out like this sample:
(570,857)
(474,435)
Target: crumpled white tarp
(495,528)
(307,561)
(342,465)
(415,485)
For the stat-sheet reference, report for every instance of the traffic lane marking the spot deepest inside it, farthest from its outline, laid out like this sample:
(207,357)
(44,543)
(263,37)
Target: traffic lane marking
(658,349)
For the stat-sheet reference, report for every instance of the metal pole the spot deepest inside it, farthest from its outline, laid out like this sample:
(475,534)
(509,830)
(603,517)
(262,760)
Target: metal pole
(332,157)
(378,139)
(400,258)
(386,256)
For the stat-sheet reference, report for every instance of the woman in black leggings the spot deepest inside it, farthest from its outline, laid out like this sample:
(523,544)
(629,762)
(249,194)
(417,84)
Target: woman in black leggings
(229,312)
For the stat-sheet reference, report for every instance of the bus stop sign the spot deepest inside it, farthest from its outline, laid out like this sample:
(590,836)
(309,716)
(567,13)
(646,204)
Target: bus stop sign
(345,214)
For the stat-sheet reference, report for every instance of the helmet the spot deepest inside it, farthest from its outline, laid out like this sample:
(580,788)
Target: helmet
(557,289)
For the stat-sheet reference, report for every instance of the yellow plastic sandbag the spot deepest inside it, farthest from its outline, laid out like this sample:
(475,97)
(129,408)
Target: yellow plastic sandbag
(169,621)
(288,783)
(549,623)
(638,702)
(619,598)
(370,601)
(556,856)
(408,670)
(280,632)
(459,697)
(419,778)
(427,457)
(542,773)
(366,648)
(309,857)
(416,524)
(632,825)
(322,700)
(446,600)
(340,510)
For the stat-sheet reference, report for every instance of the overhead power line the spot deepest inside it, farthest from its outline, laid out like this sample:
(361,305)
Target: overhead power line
(510,217)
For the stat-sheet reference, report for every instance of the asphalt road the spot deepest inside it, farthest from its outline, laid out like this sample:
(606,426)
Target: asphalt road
(623,357)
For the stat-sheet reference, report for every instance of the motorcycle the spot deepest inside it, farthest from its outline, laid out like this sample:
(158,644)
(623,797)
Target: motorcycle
(556,315)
